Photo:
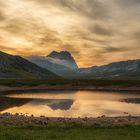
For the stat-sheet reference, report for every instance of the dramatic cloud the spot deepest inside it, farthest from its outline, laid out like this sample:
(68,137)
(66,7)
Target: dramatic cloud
(129,2)
(101,31)
(94,31)
(88,8)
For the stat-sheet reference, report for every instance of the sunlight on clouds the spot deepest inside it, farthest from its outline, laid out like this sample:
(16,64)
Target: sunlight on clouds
(95,31)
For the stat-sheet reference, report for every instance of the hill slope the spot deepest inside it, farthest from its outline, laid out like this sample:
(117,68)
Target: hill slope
(122,70)
(16,67)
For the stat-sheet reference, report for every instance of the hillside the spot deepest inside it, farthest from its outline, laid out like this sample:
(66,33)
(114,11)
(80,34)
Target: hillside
(16,67)
(119,70)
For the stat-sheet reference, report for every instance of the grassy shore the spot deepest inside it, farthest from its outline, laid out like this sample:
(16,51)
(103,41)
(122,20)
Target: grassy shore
(72,82)
(21,127)
(69,132)
(69,84)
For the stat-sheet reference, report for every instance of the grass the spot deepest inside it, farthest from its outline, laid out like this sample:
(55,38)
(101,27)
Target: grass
(70,82)
(69,132)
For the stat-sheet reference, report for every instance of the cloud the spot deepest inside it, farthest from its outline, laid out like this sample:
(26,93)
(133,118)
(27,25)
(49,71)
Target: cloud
(94,31)
(111,49)
(2,17)
(136,35)
(131,7)
(129,2)
(89,8)
(99,30)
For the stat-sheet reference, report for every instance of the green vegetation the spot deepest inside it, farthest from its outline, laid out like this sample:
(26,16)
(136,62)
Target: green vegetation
(69,132)
(70,82)
(16,67)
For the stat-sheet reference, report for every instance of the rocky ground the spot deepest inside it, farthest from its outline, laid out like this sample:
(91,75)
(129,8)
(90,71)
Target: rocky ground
(20,119)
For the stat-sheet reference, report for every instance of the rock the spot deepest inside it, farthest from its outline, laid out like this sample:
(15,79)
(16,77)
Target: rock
(97,124)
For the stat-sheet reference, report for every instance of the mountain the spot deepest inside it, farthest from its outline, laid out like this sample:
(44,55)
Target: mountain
(16,67)
(63,58)
(61,63)
(122,70)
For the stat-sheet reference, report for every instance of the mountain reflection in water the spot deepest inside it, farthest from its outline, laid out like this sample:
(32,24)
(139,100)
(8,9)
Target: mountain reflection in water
(71,103)
(132,100)
(6,102)
(54,104)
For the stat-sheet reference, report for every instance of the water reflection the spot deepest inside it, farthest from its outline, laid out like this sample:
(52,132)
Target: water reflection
(132,100)
(54,104)
(71,103)
(6,102)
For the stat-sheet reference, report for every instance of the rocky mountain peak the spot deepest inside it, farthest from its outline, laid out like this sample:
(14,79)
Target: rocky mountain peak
(61,55)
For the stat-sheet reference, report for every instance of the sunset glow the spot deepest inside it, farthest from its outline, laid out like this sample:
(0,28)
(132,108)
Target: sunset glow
(96,32)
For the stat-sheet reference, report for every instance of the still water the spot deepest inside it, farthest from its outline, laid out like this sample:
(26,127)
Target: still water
(71,103)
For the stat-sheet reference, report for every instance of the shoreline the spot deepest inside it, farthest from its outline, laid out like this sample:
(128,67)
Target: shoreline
(11,119)
(68,87)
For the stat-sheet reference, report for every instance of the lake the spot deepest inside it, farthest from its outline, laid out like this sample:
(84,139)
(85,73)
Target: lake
(71,103)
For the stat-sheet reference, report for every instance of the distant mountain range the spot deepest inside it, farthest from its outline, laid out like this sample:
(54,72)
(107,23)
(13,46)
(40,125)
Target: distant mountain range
(119,70)
(16,67)
(63,65)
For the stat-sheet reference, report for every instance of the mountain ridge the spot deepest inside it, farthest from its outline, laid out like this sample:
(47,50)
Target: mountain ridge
(129,68)
(58,62)
(16,67)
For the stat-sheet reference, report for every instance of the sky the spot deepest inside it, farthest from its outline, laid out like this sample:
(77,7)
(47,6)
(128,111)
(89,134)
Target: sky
(95,32)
